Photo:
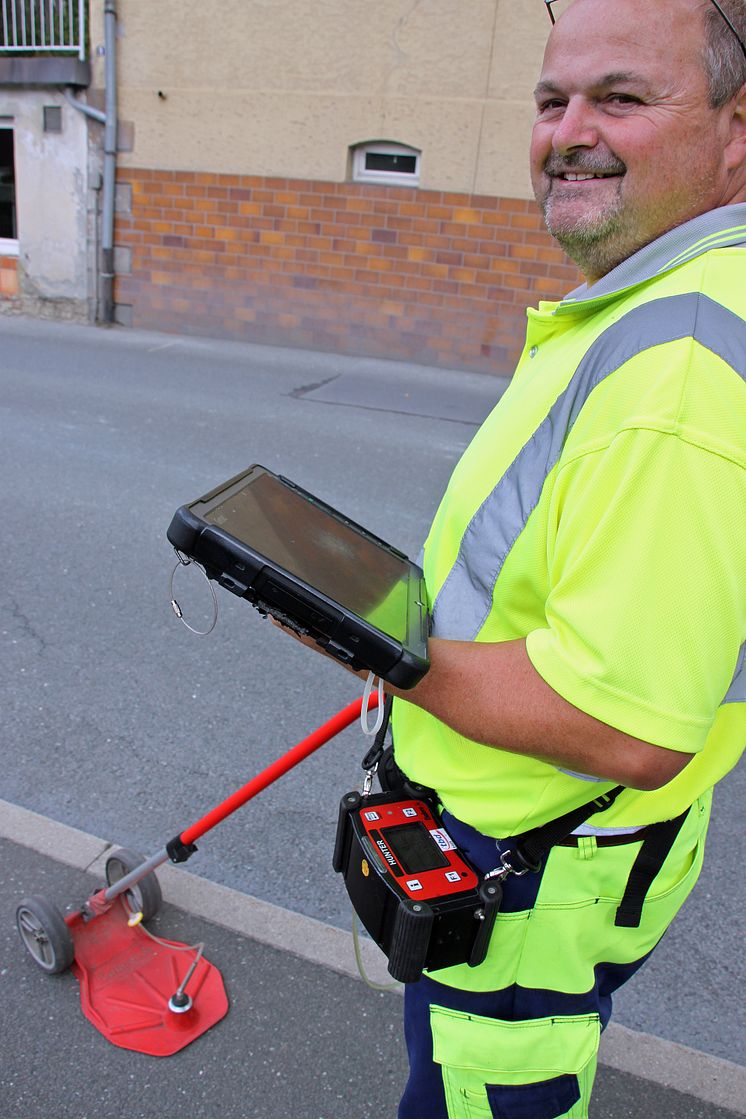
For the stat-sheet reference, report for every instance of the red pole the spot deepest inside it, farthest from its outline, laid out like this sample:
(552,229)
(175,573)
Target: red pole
(278,768)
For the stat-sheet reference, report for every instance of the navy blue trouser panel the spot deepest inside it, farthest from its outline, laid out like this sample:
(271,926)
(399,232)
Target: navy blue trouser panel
(423,1095)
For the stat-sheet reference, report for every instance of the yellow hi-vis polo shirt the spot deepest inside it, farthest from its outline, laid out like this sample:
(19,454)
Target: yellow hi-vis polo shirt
(600,513)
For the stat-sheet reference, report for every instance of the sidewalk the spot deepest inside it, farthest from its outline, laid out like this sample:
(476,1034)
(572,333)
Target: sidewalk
(303,1037)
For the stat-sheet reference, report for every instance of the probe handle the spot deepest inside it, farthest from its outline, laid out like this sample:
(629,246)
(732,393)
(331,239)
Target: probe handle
(182,843)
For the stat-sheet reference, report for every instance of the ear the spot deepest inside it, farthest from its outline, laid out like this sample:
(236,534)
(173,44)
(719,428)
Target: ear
(735,152)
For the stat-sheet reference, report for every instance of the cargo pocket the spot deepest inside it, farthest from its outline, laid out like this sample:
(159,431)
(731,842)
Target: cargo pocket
(540,1068)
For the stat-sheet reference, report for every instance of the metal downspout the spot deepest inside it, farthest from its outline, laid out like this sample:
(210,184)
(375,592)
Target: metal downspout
(110,162)
(109,120)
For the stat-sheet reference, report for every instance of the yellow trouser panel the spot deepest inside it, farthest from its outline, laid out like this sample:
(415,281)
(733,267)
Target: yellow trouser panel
(542,1068)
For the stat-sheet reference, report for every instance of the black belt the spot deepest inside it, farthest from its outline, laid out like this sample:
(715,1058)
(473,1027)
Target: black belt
(606,840)
(656,841)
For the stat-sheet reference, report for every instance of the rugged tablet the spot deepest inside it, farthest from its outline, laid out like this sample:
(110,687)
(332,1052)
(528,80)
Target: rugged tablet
(292,556)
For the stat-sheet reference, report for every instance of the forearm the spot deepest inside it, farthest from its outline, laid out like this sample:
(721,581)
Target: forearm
(492,694)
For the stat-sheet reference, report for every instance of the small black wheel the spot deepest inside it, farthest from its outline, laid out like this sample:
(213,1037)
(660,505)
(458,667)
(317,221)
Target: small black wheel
(145,896)
(45,935)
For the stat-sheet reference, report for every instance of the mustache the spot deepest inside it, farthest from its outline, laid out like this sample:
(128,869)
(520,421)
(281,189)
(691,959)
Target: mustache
(582,163)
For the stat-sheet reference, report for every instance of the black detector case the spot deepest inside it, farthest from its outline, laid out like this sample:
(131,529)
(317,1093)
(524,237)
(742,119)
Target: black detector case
(315,570)
(420,899)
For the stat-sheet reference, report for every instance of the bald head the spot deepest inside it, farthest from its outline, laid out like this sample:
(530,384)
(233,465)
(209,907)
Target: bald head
(722,25)
(674,29)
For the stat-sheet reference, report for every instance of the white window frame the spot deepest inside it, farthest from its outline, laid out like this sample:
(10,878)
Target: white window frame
(362,174)
(9,245)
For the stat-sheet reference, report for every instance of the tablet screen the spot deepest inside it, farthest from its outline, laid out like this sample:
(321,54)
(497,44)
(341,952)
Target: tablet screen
(330,556)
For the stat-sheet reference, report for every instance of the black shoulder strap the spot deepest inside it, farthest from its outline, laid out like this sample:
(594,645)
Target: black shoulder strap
(656,846)
(533,846)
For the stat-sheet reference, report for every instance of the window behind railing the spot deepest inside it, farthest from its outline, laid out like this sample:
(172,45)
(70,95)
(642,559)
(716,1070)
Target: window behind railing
(43,26)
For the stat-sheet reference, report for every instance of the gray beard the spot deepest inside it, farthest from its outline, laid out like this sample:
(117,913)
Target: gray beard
(596,245)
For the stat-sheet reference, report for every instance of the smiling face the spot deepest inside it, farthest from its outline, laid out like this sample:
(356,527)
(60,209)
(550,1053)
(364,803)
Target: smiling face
(625,144)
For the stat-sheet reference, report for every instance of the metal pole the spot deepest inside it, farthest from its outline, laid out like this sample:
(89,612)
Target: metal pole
(110,163)
(123,884)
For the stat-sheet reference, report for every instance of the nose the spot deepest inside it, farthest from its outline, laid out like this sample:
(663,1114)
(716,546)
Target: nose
(576,128)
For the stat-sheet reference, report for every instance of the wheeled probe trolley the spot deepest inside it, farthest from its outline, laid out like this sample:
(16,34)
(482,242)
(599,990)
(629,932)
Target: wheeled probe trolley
(143,992)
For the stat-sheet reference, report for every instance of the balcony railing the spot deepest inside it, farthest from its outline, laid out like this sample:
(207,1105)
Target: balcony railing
(43,27)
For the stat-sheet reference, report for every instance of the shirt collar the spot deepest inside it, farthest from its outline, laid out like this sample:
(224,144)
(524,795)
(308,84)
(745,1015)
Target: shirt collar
(716,229)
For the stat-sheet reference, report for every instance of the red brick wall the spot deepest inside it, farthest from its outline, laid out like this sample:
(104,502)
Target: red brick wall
(391,272)
(8,277)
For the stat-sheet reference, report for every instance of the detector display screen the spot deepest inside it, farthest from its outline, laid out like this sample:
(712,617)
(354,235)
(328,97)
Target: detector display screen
(414,848)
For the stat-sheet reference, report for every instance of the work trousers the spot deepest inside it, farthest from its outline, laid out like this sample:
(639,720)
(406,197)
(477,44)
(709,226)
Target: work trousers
(517,1037)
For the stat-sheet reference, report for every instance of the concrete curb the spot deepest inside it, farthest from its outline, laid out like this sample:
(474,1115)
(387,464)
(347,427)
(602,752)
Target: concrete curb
(690,1071)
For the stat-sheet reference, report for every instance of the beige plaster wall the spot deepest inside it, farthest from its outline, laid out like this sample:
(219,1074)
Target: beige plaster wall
(284,87)
(51,194)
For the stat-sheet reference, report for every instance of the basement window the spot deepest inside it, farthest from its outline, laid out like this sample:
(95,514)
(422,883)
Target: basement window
(386,163)
(8,227)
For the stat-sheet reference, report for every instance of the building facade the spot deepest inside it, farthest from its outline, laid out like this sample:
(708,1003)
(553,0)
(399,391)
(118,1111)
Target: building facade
(341,175)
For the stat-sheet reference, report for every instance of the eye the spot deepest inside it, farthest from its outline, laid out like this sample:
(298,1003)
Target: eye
(550,104)
(622,99)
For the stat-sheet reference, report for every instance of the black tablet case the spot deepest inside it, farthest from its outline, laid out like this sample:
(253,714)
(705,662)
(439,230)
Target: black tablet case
(351,577)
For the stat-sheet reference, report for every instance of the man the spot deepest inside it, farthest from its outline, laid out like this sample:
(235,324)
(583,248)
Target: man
(587,565)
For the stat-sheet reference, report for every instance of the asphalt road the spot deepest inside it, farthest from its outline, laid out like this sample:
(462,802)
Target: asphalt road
(118,721)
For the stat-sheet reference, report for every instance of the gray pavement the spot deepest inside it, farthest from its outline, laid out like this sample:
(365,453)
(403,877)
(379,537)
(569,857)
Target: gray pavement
(304,1036)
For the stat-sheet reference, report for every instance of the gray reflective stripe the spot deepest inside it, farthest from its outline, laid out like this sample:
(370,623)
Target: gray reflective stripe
(580,776)
(465,599)
(737,691)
